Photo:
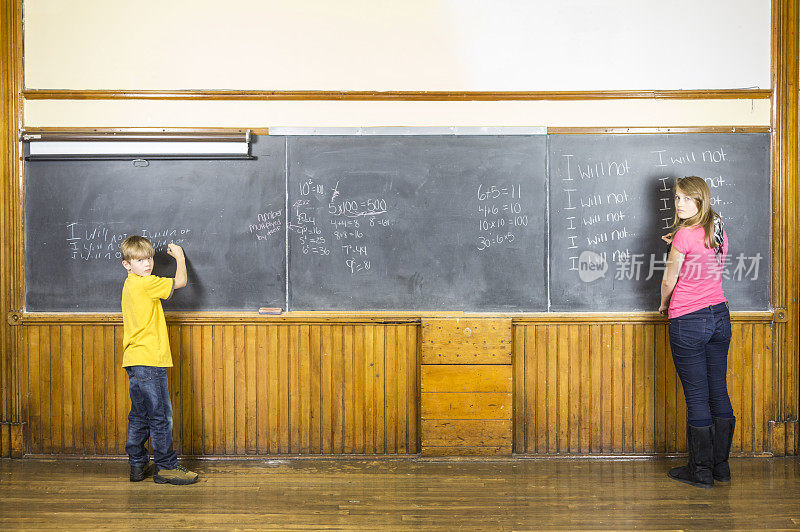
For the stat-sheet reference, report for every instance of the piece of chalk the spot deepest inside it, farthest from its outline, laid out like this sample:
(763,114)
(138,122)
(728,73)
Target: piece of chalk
(270,310)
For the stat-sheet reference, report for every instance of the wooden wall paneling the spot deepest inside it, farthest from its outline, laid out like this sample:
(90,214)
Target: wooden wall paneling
(586,386)
(315,404)
(229,405)
(68,444)
(76,349)
(413,394)
(466,387)
(735,383)
(44,383)
(551,356)
(402,372)
(326,391)
(337,415)
(659,388)
(304,389)
(379,343)
(650,355)
(349,389)
(57,392)
(766,380)
(390,369)
(757,376)
(357,400)
(122,402)
(465,341)
(273,397)
(369,388)
(207,393)
(746,407)
(182,347)
(239,390)
(520,380)
(174,377)
(34,396)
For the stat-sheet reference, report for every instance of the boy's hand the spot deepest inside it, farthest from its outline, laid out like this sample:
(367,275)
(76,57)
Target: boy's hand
(174,250)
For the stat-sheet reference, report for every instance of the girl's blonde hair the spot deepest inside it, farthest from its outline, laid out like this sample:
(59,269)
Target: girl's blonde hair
(697,189)
(136,247)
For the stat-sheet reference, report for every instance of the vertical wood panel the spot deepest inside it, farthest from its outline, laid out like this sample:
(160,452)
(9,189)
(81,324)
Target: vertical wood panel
(326,399)
(585,402)
(628,388)
(595,392)
(358,389)
(379,388)
(174,376)
(121,392)
(304,389)
(78,390)
(348,399)
(747,389)
(57,390)
(239,389)
(735,383)
(315,345)
(337,416)
(390,420)
(98,357)
(207,396)
(412,388)
(369,389)
(400,390)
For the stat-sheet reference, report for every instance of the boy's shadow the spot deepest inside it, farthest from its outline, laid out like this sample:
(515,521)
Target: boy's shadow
(190,297)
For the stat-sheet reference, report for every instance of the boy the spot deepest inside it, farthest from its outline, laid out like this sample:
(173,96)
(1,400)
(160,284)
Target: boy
(146,359)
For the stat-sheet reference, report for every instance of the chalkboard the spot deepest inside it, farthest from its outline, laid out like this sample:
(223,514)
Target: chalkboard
(611,198)
(228,216)
(417,222)
(486,222)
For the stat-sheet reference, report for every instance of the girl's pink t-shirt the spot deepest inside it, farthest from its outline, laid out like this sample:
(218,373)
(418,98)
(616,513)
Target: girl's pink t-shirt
(700,279)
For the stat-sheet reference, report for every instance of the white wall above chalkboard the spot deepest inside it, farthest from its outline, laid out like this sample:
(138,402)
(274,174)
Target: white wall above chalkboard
(414,45)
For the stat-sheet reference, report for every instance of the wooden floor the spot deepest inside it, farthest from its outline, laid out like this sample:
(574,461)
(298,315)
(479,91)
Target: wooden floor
(400,495)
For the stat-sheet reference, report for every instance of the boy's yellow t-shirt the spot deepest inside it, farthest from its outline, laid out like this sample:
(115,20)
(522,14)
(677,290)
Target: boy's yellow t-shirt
(144,330)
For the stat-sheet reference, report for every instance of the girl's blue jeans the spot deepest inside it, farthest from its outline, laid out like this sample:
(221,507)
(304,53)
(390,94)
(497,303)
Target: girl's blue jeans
(150,416)
(699,342)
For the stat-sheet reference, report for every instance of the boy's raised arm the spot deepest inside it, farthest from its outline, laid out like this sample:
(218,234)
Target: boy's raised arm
(180,273)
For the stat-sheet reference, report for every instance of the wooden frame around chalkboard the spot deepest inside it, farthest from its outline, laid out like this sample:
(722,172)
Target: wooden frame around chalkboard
(782,375)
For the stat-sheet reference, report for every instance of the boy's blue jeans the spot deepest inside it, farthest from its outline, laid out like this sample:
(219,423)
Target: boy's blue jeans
(150,416)
(699,342)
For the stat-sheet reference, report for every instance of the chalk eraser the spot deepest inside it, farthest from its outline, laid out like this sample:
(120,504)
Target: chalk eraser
(270,310)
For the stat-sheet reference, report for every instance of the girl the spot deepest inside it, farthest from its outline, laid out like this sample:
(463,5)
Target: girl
(699,331)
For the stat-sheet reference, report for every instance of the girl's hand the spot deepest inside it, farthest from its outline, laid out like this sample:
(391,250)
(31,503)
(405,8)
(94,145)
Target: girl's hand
(663,310)
(667,238)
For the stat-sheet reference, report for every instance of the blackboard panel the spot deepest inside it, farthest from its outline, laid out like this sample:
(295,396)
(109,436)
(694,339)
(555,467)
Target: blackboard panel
(417,222)
(611,198)
(228,216)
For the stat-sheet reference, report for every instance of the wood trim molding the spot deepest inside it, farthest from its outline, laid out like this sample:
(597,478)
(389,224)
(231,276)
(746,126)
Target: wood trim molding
(785,220)
(68,94)
(11,257)
(325,317)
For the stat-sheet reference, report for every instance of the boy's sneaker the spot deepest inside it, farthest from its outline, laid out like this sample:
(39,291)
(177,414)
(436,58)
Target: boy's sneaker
(178,475)
(140,472)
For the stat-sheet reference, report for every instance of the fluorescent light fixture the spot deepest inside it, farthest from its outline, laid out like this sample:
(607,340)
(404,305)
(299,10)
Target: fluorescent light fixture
(132,146)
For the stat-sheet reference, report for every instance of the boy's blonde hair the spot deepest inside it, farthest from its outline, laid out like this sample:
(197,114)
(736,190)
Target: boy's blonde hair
(136,247)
